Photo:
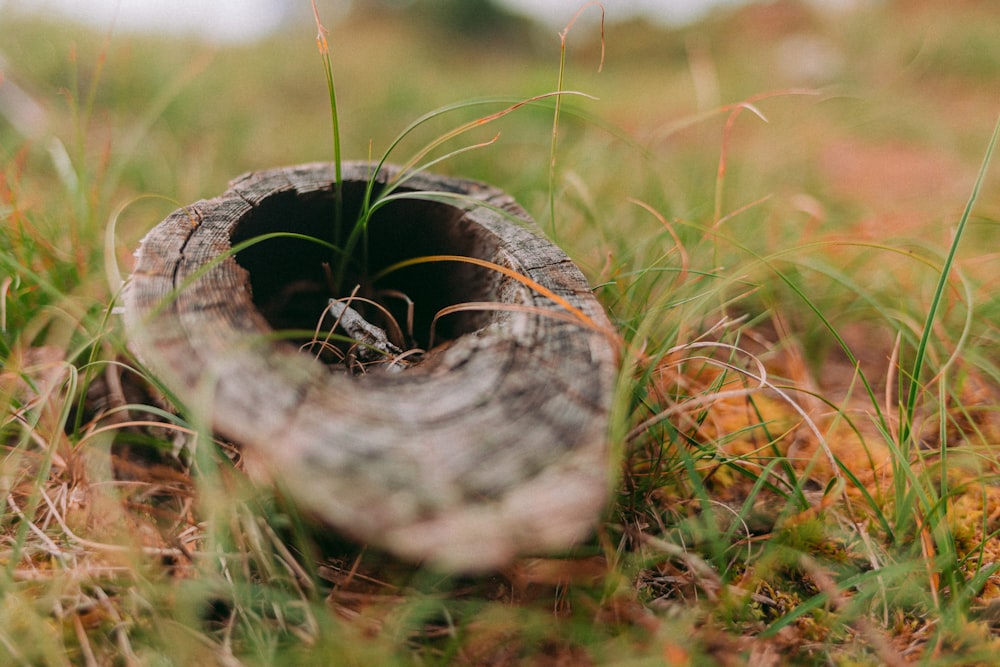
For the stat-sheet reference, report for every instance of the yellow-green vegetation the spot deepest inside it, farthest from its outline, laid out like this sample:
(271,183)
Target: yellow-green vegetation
(767,203)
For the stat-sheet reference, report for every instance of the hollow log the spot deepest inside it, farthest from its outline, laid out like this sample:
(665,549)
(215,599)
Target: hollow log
(487,440)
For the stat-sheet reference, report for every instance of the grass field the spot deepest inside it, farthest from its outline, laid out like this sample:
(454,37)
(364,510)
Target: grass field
(772,205)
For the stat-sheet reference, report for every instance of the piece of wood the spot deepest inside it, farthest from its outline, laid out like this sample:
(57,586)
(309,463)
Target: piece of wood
(491,445)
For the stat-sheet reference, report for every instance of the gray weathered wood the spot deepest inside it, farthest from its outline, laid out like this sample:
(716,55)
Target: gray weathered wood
(490,446)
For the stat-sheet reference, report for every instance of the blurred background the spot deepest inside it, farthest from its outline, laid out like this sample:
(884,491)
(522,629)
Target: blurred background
(242,20)
(860,117)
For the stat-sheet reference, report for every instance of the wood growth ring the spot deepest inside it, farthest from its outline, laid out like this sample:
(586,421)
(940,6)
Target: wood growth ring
(488,445)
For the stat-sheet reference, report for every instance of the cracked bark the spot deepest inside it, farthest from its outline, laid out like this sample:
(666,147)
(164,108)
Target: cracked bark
(492,445)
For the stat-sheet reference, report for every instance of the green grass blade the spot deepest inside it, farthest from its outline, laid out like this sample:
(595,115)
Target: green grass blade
(918,362)
(324,49)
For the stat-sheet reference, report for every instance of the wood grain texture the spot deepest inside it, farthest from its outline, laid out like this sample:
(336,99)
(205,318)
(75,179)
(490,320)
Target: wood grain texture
(493,445)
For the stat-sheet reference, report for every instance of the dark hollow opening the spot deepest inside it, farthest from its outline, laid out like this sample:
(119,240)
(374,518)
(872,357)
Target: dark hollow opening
(292,282)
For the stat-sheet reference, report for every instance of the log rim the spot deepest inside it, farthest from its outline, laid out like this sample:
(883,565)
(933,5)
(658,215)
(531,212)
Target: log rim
(574,487)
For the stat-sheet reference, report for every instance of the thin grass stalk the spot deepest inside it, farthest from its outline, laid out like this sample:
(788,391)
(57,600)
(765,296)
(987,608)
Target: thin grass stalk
(112,271)
(46,460)
(223,256)
(581,317)
(869,390)
(919,360)
(943,491)
(760,483)
(494,306)
(716,546)
(91,365)
(555,138)
(409,166)
(769,261)
(558,106)
(413,166)
(720,174)
(897,572)
(359,233)
(338,189)
(84,198)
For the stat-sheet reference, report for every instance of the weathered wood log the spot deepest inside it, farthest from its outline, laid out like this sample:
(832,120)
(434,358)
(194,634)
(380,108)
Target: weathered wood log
(490,445)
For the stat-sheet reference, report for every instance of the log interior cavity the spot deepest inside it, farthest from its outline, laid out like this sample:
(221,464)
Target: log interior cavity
(290,277)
